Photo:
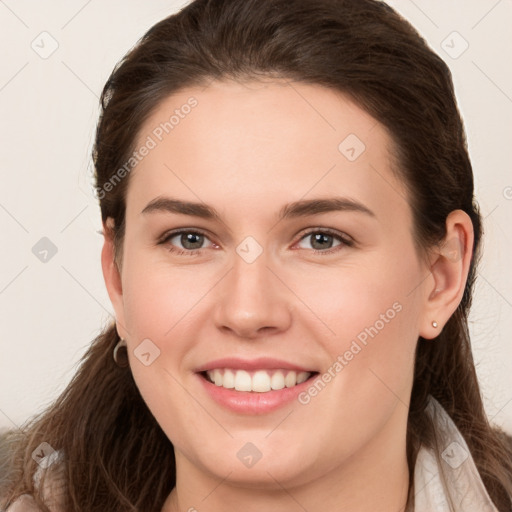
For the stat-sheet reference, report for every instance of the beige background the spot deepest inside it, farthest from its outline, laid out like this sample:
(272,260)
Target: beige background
(49,312)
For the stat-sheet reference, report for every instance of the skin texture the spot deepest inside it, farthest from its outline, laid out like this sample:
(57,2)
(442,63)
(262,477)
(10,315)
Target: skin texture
(247,149)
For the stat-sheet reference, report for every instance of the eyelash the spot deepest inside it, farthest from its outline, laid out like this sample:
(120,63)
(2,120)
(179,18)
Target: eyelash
(345,240)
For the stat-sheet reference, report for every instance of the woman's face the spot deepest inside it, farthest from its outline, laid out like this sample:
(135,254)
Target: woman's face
(297,252)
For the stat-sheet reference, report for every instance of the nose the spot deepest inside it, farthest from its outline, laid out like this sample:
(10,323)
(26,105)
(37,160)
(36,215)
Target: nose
(252,302)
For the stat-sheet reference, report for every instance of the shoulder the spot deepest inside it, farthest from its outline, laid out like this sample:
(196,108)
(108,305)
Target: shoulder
(51,471)
(51,494)
(24,503)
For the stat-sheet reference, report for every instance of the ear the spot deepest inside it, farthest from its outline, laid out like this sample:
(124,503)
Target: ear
(112,276)
(449,266)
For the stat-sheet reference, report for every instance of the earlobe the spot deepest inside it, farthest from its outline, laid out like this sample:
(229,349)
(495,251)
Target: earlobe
(449,267)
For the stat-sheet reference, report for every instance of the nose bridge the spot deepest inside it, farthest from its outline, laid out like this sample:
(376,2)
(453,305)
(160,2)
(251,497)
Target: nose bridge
(252,300)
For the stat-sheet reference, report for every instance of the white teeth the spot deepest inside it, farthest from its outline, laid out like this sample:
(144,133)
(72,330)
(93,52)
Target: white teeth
(302,377)
(217,377)
(290,379)
(260,381)
(277,381)
(242,381)
(229,379)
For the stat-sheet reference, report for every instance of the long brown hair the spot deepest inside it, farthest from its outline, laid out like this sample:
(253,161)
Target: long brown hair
(116,455)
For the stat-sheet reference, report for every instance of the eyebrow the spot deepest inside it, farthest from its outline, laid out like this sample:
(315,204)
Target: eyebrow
(302,208)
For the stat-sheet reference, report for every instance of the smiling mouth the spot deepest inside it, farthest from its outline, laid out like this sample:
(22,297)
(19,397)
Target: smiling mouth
(258,381)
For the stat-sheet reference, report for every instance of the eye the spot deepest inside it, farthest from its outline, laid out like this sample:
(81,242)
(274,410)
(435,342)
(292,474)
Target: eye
(325,241)
(185,241)
(192,242)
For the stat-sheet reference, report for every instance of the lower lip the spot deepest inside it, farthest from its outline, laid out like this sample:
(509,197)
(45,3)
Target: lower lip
(252,402)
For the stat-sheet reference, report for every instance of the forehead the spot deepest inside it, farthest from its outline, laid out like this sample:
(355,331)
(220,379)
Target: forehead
(255,140)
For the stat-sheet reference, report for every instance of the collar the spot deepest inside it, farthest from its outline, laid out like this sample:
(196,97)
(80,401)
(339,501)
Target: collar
(445,477)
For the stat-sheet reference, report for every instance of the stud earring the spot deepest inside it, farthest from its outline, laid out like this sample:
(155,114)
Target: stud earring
(434,324)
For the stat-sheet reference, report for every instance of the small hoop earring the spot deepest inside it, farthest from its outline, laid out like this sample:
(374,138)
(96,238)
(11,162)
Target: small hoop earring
(123,361)
(434,324)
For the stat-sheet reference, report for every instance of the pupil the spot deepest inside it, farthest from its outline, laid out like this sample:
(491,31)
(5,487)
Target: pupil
(322,238)
(191,239)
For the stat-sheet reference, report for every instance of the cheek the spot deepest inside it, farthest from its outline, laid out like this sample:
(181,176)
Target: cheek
(371,354)
(158,297)
(372,314)
(349,300)
(159,306)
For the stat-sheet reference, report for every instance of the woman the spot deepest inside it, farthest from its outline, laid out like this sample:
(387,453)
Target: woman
(290,248)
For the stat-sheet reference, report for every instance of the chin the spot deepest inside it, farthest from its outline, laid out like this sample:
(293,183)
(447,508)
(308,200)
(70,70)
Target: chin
(258,465)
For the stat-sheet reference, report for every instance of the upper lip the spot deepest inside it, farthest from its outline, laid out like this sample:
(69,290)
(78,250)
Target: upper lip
(260,363)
